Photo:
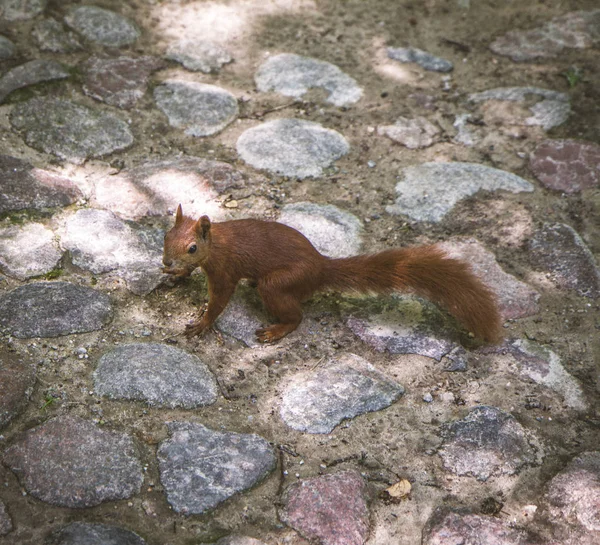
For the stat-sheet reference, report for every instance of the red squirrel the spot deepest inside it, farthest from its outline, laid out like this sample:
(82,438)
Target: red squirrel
(287,270)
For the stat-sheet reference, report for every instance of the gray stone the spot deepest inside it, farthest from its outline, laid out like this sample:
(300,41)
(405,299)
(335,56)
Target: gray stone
(101,242)
(488,442)
(6,525)
(317,401)
(51,35)
(411,326)
(156,188)
(80,533)
(465,135)
(558,249)
(515,298)
(456,360)
(199,55)
(291,147)
(429,191)
(20,10)
(573,495)
(30,73)
(243,315)
(7,48)
(28,250)
(102,26)
(567,165)
(333,232)
(70,131)
(446,526)
(120,81)
(197,108)
(422,58)
(293,75)
(545,367)
(201,468)
(578,29)
(17,378)
(161,375)
(51,309)
(551,110)
(413,133)
(24,187)
(329,509)
(70,462)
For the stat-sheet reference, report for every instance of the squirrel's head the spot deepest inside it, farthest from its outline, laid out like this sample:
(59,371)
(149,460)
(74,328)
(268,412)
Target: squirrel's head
(187,244)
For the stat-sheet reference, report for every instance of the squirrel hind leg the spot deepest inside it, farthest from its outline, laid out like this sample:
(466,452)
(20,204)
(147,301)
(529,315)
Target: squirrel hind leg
(285,307)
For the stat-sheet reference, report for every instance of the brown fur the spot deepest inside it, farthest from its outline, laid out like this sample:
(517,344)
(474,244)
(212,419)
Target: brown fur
(287,270)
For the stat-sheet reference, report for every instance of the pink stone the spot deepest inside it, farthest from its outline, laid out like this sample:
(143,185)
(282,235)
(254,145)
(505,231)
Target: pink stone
(330,508)
(567,165)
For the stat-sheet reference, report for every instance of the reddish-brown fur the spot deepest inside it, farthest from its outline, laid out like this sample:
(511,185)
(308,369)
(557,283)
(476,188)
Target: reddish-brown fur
(287,270)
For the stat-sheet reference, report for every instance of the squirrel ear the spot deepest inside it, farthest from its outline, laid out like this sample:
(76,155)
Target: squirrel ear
(203,227)
(178,215)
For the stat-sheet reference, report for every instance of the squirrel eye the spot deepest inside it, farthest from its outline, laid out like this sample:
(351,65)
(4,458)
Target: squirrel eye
(192,249)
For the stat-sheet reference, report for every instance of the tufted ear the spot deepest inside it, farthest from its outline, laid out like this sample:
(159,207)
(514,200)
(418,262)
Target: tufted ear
(178,215)
(203,227)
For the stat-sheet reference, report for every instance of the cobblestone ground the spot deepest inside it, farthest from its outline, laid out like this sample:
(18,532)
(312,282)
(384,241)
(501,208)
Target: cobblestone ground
(365,124)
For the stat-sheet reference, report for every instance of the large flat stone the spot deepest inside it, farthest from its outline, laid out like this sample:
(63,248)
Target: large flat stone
(291,147)
(330,509)
(293,75)
(68,130)
(332,231)
(101,242)
(17,378)
(201,468)
(30,73)
(28,250)
(20,10)
(316,402)
(429,191)
(573,497)
(488,442)
(161,375)
(567,165)
(102,26)
(577,29)
(411,326)
(51,309)
(70,462)
(156,188)
(558,249)
(199,55)
(199,109)
(120,81)
(24,187)
(7,48)
(51,35)
(447,527)
(545,367)
(549,110)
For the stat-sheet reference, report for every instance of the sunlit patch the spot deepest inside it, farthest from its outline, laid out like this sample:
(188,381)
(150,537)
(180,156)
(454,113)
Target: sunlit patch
(157,194)
(219,23)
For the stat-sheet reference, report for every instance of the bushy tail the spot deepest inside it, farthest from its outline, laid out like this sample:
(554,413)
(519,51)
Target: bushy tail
(428,272)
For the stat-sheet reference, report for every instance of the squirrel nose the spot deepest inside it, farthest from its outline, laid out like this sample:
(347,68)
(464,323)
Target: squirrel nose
(167,262)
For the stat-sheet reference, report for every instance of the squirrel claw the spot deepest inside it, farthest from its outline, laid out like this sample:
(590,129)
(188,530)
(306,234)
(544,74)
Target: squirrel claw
(193,329)
(264,335)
